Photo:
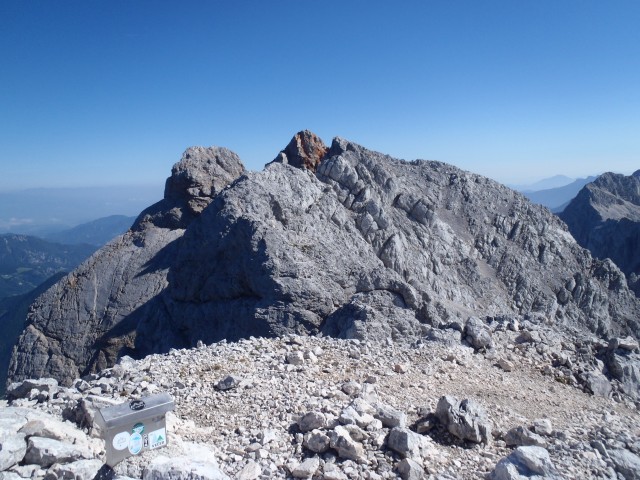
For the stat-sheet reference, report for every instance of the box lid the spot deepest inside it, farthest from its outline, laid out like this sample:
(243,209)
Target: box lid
(134,410)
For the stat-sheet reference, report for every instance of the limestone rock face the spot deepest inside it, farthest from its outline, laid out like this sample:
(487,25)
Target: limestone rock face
(90,317)
(605,218)
(366,247)
(200,175)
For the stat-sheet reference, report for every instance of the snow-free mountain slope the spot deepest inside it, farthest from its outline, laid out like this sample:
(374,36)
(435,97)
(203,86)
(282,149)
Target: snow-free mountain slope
(367,247)
(605,218)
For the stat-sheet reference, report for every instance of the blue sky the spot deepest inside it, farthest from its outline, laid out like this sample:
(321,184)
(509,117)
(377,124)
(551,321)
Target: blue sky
(111,92)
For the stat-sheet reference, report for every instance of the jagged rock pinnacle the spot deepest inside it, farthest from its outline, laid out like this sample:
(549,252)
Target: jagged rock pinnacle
(305,150)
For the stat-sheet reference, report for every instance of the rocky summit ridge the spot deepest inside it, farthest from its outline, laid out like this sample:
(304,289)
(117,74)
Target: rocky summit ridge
(366,247)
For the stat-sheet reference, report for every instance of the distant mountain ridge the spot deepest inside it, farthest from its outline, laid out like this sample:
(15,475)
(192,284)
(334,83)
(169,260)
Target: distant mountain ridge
(43,211)
(556,181)
(26,262)
(97,232)
(556,199)
(605,218)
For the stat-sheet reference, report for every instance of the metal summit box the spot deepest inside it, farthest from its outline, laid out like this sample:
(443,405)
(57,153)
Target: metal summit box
(134,426)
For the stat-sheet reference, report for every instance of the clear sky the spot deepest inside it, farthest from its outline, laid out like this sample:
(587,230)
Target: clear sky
(111,92)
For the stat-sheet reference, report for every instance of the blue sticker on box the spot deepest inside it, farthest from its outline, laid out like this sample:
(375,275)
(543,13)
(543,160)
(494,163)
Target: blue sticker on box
(135,443)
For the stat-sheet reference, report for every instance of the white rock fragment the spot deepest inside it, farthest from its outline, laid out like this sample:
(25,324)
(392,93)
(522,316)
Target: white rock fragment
(183,468)
(346,446)
(307,468)
(317,441)
(312,421)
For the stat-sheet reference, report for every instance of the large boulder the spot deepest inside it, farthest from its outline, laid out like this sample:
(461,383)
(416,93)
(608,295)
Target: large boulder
(623,362)
(526,462)
(464,419)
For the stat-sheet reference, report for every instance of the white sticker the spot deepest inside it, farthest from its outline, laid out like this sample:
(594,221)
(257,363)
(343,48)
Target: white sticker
(135,443)
(157,438)
(121,441)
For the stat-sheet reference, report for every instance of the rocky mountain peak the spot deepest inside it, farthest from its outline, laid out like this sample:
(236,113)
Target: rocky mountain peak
(305,150)
(200,175)
(605,218)
(610,188)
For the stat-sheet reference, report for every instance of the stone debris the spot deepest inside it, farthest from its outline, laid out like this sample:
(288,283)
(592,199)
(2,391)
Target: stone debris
(505,365)
(228,382)
(523,437)
(182,468)
(345,445)
(312,421)
(390,417)
(317,441)
(542,426)
(626,463)
(284,421)
(477,334)
(410,444)
(409,469)
(307,468)
(78,470)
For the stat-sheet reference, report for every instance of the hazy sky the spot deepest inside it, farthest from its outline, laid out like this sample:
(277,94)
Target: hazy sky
(112,92)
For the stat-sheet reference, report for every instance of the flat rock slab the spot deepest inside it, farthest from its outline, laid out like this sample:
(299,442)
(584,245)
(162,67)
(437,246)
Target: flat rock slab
(182,468)
(46,451)
(526,462)
(79,470)
(12,450)
(10,476)
(54,429)
(13,419)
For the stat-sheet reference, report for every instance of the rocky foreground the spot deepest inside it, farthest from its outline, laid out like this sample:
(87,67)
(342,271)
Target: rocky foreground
(507,400)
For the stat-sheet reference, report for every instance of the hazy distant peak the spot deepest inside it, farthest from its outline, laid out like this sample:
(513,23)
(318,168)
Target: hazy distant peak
(556,181)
